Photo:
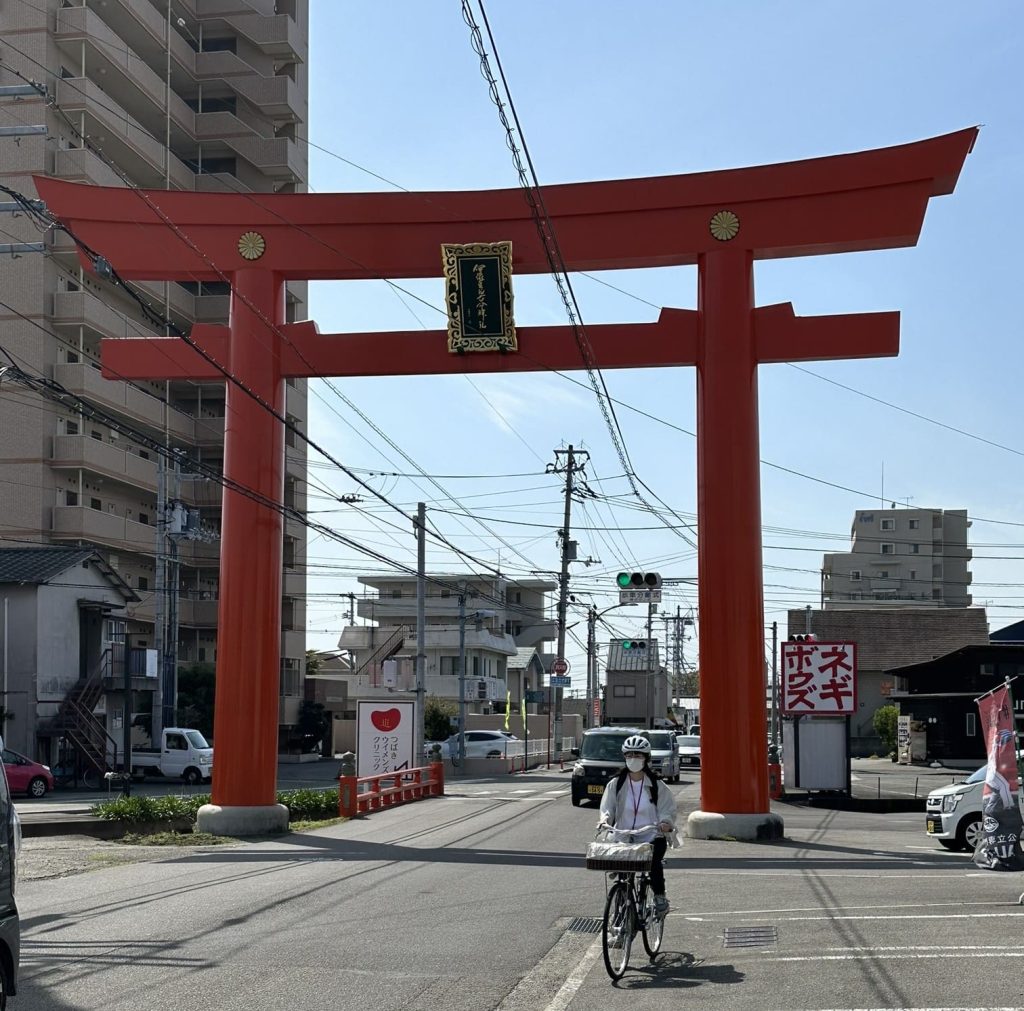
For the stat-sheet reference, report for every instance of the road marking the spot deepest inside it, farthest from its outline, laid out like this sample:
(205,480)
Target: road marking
(910,916)
(555,793)
(814,909)
(925,1009)
(561,999)
(888,958)
(522,791)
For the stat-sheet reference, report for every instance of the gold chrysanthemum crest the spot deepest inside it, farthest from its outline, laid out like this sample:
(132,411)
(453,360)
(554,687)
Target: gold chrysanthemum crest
(724,225)
(251,245)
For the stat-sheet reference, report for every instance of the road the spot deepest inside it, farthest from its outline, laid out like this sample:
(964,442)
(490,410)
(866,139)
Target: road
(465,902)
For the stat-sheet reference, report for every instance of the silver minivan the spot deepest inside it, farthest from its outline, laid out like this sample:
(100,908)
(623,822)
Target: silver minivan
(664,754)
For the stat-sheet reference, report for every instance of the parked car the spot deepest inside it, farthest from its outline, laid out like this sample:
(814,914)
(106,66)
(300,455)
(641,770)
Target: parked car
(598,758)
(664,756)
(479,744)
(26,776)
(10,923)
(688,746)
(953,813)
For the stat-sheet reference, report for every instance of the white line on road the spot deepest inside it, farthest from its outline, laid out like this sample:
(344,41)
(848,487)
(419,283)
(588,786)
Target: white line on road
(910,916)
(815,909)
(888,958)
(561,999)
(522,791)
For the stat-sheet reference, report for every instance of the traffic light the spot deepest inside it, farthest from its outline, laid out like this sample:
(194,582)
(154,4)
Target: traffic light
(634,644)
(803,637)
(638,580)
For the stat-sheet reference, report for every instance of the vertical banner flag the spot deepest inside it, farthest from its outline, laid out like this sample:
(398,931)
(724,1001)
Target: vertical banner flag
(999,844)
(508,706)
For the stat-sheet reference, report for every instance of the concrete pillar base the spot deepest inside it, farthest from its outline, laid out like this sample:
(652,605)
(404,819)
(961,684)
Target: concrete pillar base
(747,827)
(242,821)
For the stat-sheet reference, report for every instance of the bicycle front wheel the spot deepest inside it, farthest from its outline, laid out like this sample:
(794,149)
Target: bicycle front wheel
(652,926)
(618,930)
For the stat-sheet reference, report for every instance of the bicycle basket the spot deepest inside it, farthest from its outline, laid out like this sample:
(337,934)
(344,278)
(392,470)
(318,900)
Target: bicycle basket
(623,857)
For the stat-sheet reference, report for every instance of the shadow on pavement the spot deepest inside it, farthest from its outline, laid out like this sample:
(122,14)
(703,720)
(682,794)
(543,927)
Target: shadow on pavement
(677,970)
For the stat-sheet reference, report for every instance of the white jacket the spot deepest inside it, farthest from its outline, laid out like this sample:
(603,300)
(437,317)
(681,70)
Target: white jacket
(613,805)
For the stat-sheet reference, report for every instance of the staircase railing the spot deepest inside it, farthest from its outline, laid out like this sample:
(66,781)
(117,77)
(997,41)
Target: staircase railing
(384,651)
(83,729)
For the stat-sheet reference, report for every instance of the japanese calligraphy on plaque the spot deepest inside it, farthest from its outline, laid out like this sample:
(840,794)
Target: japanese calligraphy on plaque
(819,678)
(478,293)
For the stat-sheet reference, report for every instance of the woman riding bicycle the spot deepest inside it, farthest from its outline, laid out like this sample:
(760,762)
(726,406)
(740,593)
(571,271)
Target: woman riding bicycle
(636,797)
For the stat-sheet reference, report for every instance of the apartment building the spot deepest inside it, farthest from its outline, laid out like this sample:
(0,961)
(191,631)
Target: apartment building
(203,95)
(499,617)
(901,557)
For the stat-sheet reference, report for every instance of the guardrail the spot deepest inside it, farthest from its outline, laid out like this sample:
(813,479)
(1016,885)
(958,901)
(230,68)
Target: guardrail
(360,794)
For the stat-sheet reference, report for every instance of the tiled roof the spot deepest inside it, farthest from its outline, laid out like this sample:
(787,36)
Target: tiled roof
(887,638)
(39,565)
(1009,633)
(620,659)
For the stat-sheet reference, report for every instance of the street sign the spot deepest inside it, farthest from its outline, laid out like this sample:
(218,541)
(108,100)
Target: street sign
(640,596)
(561,681)
(560,665)
(540,695)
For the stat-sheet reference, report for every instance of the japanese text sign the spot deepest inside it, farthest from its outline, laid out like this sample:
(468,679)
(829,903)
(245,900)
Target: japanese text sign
(385,732)
(819,678)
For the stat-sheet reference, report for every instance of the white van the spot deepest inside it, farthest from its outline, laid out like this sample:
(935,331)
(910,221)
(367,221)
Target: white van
(953,813)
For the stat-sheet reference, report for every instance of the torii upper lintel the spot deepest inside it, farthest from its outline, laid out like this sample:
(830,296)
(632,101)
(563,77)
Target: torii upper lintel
(843,203)
(722,221)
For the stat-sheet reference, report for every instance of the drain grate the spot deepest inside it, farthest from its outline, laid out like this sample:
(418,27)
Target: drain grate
(585,924)
(749,937)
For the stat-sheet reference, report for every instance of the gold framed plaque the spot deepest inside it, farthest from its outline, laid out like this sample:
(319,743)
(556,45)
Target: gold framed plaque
(478,295)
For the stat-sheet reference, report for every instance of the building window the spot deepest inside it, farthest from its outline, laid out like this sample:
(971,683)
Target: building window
(971,729)
(143,583)
(624,691)
(855,575)
(71,427)
(449,665)
(96,435)
(201,653)
(937,593)
(95,503)
(888,524)
(476,666)
(888,549)
(915,524)
(884,574)
(71,498)
(915,549)
(144,518)
(913,574)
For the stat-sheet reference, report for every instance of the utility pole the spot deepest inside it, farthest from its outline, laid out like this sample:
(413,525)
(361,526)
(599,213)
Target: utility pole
(351,608)
(590,721)
(566,462)
(774,750)
(421,630)
(160,617)
(650,667)
(462,678)
(170,659)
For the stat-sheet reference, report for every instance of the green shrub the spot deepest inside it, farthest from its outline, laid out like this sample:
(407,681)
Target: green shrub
(149,809)
(885,721)
(310,805)
(303,805)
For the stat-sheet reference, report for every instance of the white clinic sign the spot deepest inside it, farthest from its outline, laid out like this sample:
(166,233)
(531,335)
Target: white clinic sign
(385,735)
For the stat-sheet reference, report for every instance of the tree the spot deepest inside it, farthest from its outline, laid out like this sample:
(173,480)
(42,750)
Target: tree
(437,718)
(885,722)
(313,661)
(312,727)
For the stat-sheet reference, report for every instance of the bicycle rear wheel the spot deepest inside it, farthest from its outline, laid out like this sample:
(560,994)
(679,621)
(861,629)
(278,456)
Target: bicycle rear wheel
(652,926)
(617,937)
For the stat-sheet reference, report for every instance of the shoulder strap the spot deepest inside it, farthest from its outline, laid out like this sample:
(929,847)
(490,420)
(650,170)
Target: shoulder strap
(620,779)
(654,787)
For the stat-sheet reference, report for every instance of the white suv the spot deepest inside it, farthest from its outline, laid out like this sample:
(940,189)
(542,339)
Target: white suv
(953,813)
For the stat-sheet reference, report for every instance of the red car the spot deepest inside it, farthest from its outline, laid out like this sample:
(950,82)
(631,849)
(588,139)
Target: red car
(26,776)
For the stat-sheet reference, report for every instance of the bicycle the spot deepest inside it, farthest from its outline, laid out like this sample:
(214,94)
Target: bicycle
(630,902)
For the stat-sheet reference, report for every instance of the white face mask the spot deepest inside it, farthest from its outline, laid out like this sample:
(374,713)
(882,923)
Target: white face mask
(634,764)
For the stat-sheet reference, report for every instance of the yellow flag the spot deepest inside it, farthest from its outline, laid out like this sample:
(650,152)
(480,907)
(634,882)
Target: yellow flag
(508,705)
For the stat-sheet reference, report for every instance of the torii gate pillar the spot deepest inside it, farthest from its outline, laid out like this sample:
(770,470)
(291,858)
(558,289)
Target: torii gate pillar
(721,221)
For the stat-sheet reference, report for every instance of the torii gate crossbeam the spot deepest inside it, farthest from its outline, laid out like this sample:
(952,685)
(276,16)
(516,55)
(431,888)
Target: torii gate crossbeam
(722,221)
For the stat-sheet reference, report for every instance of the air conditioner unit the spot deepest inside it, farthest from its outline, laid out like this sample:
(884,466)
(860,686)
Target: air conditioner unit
(481,689)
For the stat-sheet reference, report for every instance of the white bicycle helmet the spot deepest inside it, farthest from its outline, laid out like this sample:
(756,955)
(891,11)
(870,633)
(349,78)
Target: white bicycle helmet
(636,743)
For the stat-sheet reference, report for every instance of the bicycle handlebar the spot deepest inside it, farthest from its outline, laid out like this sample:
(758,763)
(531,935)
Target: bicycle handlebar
(612,830)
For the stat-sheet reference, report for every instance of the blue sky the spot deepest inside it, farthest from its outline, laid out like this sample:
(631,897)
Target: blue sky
(609,90)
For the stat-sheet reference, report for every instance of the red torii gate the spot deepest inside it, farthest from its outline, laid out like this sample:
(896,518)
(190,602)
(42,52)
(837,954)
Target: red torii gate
(722,221)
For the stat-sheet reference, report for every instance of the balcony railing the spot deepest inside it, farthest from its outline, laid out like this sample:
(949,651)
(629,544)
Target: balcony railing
(83,523)
(107,459)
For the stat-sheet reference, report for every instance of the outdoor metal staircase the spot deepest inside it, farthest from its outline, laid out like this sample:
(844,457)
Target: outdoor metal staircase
(373,664)
(82,728)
